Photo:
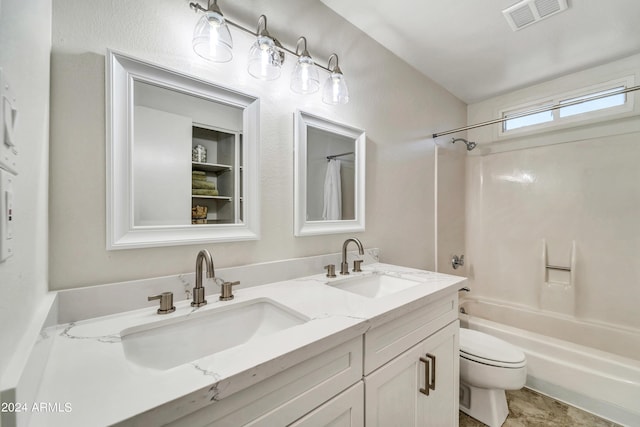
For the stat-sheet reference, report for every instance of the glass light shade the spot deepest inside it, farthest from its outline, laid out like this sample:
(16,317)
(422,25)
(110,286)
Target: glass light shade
(265,61)
(212,39)
(305,78)
(335,89)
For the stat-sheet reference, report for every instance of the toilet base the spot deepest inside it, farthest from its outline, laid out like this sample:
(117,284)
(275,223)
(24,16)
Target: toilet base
(485,405)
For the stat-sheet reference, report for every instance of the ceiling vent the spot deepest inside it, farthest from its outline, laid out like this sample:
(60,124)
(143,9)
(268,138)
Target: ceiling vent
(527,12)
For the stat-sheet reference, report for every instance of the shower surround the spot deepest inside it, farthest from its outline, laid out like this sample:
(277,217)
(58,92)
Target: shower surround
(572,205)
(575,206)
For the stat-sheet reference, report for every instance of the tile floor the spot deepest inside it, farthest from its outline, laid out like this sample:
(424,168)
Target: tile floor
(530,409)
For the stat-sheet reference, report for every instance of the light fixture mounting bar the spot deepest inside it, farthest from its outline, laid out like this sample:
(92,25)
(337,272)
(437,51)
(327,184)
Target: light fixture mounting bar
(248,31)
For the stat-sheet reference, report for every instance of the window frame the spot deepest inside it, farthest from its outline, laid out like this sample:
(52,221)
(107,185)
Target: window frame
(573,120)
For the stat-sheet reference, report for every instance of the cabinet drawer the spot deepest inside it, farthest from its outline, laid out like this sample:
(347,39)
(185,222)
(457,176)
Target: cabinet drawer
(287,396)
(344,410)
(385,342)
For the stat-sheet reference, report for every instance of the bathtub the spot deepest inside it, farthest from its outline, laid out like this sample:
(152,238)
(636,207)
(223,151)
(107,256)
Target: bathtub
(566,358)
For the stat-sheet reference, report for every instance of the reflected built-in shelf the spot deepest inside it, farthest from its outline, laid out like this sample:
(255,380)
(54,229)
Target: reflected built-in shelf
(223,198)
(211,167)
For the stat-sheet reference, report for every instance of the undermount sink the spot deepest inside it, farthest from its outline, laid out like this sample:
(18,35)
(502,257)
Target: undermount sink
(176,341)
(374,285)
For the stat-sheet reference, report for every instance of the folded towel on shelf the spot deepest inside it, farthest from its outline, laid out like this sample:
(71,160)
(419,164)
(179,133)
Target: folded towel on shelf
(203,185)
(198,175)
(201,192)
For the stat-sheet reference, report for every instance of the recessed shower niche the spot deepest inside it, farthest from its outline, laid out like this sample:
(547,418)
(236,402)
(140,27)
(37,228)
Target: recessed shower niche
(182,158)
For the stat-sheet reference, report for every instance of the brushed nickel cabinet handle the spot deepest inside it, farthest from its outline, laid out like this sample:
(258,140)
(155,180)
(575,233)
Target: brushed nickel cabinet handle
(427,384)
(432,383)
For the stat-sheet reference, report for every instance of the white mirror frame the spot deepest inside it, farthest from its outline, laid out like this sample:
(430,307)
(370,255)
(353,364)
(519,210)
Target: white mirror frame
(303,227)
(121,73)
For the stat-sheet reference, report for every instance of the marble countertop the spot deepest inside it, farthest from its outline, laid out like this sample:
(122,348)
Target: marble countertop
(89,381)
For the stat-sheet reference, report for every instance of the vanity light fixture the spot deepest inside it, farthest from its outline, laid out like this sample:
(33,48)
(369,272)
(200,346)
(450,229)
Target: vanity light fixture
(212,41)
(335,89)
(211,37)
(305,77)
(265,56)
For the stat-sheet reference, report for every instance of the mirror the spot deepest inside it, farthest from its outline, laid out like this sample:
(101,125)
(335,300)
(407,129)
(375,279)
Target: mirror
(182,158)
(329,176)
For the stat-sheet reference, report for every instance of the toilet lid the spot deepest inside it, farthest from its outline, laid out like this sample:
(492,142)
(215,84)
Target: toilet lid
(483,348)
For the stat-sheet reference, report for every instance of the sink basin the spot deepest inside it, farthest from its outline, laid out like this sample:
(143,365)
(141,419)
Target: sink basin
(374,286)
(175,341)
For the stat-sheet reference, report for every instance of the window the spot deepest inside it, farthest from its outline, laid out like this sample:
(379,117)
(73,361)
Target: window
(530,117)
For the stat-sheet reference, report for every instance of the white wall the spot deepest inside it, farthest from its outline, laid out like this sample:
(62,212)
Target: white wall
(574,184)
(451,191)
(398,107)
(25,42)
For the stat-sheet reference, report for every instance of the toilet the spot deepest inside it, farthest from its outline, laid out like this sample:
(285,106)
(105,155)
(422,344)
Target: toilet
(488,367)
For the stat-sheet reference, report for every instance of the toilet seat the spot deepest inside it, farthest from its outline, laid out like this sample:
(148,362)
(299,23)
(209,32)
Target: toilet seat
(489,350)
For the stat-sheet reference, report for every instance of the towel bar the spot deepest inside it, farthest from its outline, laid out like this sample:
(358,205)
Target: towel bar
(556,267)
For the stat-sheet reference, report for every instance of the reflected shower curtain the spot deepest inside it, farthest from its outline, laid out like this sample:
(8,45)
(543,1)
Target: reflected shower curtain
(332,192)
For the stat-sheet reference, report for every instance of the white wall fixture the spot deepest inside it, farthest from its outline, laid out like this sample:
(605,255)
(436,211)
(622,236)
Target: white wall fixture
(150,196)
(6,215)
(212,41)
(312,132)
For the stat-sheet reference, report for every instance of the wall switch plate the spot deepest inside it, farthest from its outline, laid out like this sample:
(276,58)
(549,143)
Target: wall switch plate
(8,116)
(7,215)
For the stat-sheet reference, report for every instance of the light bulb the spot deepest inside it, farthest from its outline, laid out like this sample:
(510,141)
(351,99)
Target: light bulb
(305,77)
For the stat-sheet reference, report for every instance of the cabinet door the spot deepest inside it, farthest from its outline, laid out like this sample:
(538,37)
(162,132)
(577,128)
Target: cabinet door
(396,394)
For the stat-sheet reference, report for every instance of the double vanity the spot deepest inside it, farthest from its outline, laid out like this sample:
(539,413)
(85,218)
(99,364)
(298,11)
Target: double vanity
(283,343)
(298,352)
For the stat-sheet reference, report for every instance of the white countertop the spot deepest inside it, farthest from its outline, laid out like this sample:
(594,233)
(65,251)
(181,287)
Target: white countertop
(90,382)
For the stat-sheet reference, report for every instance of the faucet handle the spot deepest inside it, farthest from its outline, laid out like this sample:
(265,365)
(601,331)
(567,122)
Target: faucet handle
(331,270)
(227,292)
(457,261)
(356,265)
(166,302)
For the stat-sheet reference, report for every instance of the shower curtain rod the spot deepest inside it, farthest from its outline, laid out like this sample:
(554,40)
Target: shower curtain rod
(333,156)
(537,110)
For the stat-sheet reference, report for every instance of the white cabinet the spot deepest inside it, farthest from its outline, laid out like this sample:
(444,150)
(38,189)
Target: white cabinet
(403,372)
(419,387)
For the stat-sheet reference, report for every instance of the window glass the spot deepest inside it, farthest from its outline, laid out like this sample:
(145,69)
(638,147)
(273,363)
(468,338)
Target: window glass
(528,120)
(598,104)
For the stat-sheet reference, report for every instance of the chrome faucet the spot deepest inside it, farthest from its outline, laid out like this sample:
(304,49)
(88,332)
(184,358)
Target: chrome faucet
(198,291)
(344,266)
